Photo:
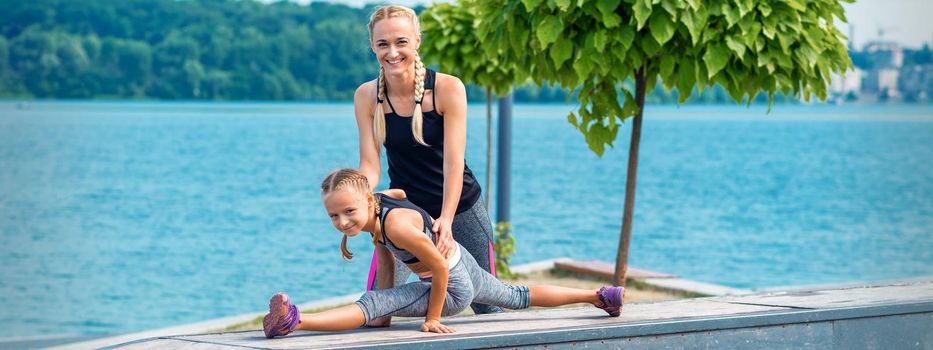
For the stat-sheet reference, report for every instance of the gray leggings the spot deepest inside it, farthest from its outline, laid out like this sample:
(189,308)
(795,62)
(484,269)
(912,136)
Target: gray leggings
(473,230)
(467,283)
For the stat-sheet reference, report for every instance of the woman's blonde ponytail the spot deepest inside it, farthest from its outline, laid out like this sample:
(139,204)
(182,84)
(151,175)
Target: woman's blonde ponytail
(417,118)
(379,117)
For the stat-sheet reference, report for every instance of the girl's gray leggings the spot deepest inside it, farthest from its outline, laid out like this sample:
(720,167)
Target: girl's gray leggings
(467,283)
(473,230)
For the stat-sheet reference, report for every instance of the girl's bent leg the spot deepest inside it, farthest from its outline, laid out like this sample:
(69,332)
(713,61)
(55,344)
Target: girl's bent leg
(411,299)
(400,275)
(491,291)
(385,268)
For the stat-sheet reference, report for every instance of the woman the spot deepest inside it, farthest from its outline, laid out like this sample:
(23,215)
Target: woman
(419,116)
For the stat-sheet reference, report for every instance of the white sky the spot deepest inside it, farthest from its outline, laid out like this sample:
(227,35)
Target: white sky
(905,21)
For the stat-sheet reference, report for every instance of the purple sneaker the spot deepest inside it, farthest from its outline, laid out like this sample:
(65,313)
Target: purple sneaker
(612,300)
(282,318)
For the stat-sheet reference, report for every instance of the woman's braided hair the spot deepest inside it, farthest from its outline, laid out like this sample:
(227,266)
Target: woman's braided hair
(417,121)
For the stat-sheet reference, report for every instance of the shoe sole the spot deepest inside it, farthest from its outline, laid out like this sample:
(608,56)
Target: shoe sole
(616,311)
(277,310)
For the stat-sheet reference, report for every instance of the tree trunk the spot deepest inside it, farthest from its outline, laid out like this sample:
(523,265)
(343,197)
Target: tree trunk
(626,235)
(488,146)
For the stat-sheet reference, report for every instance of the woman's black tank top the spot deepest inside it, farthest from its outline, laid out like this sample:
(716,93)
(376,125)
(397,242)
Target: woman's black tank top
(419,169)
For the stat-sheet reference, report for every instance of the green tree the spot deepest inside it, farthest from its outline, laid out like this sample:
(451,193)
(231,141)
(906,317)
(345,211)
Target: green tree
(616,51)
(176,62)
(124,67)
(34,59)
(194,74)
(4,57)
(216,84)
(73,68)
(6,88)
(451,42)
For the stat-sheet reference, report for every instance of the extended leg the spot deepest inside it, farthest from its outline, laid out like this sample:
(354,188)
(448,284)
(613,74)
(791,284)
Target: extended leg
(340,319)
(491,291)
(548,296)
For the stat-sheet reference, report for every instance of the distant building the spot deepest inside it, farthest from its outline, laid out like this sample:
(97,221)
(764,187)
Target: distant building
(851,81)
(916,82)
(882,83)
(885,54)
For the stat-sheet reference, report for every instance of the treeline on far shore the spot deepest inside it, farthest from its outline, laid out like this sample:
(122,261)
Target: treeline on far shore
(203,50)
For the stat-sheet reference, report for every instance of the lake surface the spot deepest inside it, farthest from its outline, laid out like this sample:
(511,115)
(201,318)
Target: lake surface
(123,216)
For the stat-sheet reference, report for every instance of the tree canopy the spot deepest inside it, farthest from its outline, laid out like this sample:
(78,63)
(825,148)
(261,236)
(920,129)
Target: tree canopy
(451,42)
(601,46)
(608,48)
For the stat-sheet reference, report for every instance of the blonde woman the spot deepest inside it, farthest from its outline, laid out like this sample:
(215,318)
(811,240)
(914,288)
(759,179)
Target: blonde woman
(419,117)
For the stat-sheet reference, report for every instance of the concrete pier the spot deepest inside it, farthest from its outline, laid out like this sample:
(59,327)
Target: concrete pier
(894,315)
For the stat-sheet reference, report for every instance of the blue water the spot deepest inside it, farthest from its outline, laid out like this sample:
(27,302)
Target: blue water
(118,217)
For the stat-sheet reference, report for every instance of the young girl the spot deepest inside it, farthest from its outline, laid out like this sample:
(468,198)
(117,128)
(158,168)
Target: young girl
(448,283)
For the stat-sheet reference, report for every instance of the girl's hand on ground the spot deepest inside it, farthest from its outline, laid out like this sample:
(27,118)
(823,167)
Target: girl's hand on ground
(445,237)
(435,326)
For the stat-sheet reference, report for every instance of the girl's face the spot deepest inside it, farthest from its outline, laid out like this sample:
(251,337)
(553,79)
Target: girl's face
(349,211)
(395,43)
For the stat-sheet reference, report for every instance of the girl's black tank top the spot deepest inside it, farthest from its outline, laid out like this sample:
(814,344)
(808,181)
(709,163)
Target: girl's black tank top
(387,204)
(419,169)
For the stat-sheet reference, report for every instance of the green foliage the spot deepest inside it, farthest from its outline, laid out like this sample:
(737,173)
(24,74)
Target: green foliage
(779,47)
(449,34)
(247,50)
(504,248)
(242,50)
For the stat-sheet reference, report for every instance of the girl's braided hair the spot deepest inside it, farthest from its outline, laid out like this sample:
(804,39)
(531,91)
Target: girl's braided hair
(352,180)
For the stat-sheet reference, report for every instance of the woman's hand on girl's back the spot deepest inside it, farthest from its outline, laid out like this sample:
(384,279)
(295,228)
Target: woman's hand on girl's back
(445,238)
(435,326)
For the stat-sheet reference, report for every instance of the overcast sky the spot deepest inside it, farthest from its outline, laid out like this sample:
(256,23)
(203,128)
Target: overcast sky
(905,21)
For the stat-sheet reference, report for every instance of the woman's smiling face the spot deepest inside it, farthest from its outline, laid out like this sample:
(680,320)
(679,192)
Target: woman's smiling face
(395,41)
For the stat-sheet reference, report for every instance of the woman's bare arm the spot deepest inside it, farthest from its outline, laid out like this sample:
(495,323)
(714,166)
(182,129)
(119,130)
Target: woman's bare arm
(452,103)
(364,102)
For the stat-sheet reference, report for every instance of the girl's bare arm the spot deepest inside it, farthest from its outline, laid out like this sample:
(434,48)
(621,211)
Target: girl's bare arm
(405,227)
